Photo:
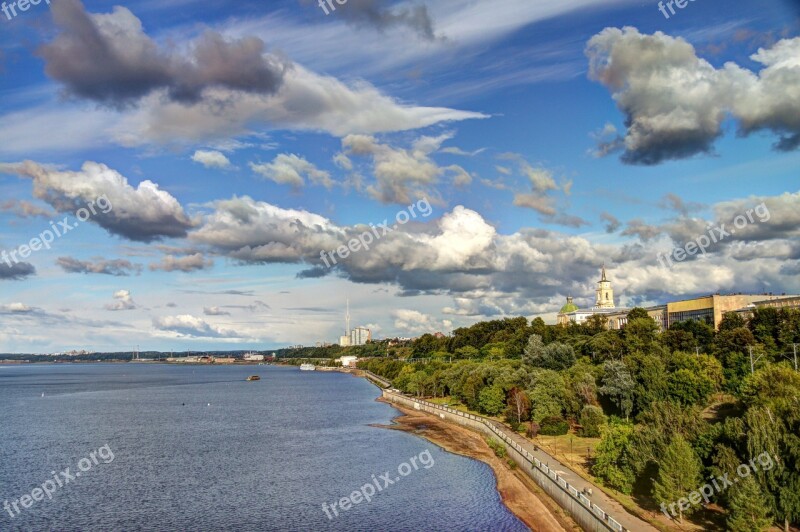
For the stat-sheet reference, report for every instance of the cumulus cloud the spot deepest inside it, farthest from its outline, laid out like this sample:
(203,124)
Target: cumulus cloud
(189,263)
(642,229)
(186,325)
(291,169)
(401,174)
(675,102)
(415,322)
(116,267)
(211,159)
(144,213)
(122,301)
(16,271)
(108,58)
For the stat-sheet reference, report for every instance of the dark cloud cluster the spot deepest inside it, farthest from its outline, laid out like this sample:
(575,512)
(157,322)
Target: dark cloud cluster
(143,214)
(675,102)
(115,267)
(16,271)
(378,14)
(108,58)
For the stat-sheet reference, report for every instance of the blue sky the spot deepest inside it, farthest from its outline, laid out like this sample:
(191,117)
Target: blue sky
(236,141)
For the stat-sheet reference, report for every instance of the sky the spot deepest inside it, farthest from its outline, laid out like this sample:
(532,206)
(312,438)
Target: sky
(179,175)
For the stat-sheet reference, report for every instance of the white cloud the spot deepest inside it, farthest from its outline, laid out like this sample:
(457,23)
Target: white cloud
(211,159)
(291,169)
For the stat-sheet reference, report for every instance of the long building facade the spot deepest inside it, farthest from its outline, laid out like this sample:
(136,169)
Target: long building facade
(709,309)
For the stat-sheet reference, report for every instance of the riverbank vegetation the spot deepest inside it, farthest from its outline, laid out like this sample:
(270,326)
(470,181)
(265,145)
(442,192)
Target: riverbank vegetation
(671,409)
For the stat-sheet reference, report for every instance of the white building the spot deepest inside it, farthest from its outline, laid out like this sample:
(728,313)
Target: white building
(252,357)
(348,361)
(360,336)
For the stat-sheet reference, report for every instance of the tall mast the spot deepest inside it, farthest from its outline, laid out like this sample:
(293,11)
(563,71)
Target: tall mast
(347,317)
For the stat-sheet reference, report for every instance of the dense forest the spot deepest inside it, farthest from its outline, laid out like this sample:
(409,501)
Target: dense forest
(675,409)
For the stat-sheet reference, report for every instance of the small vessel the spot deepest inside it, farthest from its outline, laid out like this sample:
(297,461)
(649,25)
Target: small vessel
(253,378)
(307,367)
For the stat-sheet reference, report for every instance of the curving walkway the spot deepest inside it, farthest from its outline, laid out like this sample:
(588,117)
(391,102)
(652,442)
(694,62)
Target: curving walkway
(616,517)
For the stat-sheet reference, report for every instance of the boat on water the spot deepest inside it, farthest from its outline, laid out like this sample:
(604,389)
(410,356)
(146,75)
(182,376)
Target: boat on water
(253,378)
(307,367)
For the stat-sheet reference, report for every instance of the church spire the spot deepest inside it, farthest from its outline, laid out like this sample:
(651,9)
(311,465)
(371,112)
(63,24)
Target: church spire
(603,277)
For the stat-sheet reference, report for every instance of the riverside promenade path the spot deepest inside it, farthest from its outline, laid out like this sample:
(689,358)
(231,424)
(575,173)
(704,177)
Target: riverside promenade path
(599,498)
(609,504)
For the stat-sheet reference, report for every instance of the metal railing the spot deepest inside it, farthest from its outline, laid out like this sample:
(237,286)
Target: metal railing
(565,486)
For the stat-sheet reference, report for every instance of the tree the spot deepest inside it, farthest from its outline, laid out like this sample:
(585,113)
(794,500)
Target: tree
(678,474)
(618,384)
(606,345)
(546,393)
(612,461)
(747,508)
(533,350)
(519,405)
(640,333)
(592,420)
(637,313)
(730,321)
(595,324)
(492,400)
(555,356)
(467,352)
(689,388)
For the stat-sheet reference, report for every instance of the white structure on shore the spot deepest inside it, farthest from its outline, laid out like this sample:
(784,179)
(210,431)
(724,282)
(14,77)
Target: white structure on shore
(347,361)
(357,336)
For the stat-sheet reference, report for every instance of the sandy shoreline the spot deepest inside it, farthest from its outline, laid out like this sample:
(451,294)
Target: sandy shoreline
(519,492)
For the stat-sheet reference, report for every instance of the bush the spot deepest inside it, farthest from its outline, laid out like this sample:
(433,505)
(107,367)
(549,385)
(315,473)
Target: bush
(498,448)
(533,429)
(592,420)
(554,426)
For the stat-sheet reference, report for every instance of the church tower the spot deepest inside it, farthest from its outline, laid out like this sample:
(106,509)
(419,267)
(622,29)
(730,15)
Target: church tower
(605,294)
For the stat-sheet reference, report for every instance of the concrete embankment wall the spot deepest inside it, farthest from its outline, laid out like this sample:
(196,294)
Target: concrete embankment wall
(590,517)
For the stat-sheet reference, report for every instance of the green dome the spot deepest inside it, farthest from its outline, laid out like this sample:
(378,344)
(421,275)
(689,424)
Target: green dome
(568,307)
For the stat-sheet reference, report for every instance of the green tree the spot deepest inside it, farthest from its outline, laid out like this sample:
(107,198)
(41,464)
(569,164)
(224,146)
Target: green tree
(467,352)
(492,400)
(637,313)
(546,393)
(533,350)
(640,333)
(606,345)
(612,460)
(618,385)
(592,420)
(678,474)
(556,356)
(747,508)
